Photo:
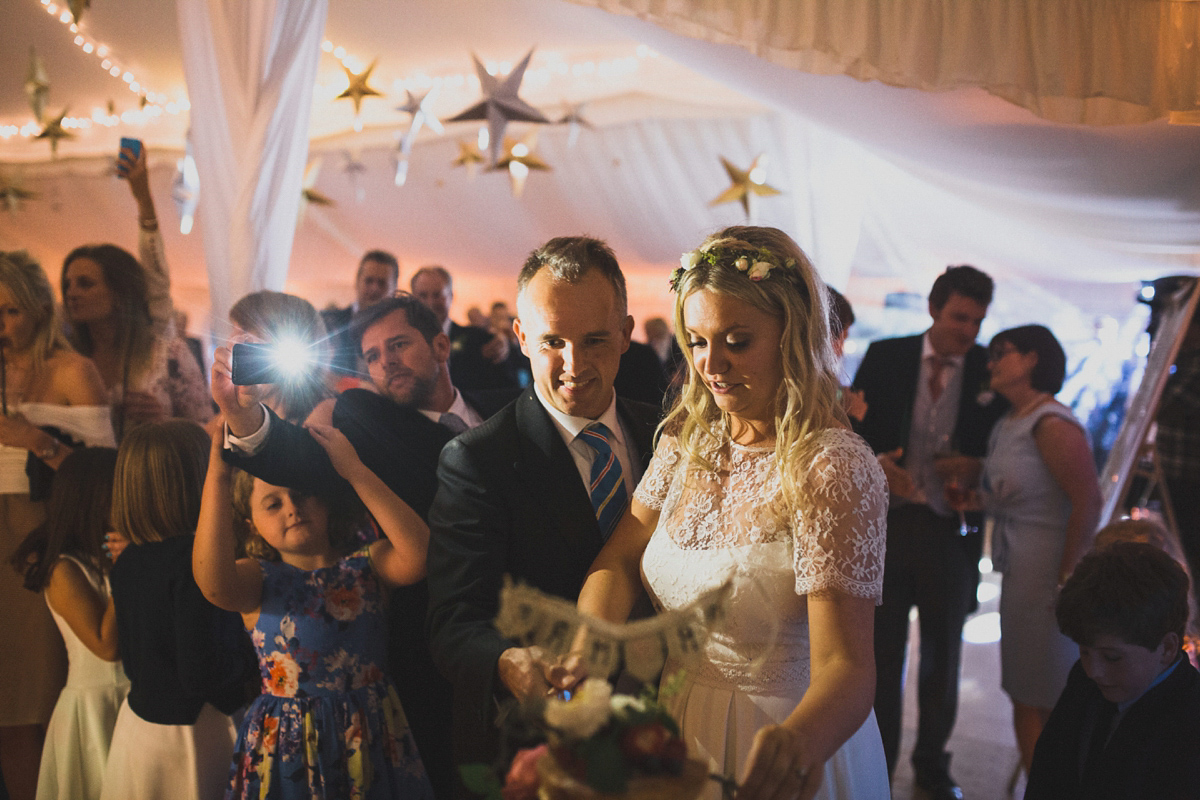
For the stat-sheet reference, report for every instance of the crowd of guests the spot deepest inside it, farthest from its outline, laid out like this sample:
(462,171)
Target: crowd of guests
(298,601)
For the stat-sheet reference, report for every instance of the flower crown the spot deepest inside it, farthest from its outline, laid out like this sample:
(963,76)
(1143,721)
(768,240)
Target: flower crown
(756,262)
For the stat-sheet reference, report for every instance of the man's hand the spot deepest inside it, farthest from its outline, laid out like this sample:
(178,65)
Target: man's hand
(239,404)
(900,481)
(495,351)
(522,669)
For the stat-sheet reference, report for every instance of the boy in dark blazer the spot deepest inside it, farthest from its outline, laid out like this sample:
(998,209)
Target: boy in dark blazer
(1128,722)
(926,396)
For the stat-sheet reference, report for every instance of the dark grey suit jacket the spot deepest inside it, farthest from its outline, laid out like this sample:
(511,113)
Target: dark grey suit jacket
(509,502)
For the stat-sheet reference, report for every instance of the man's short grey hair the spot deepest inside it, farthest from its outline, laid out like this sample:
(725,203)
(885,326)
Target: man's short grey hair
(570,258)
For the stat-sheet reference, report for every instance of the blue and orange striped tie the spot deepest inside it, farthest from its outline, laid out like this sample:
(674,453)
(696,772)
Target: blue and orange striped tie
(607,486)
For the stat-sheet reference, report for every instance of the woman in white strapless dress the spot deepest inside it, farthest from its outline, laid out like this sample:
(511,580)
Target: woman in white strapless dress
(757,479)
(44,385)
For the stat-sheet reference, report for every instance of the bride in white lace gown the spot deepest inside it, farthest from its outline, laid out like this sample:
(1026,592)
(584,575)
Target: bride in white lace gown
(757,478)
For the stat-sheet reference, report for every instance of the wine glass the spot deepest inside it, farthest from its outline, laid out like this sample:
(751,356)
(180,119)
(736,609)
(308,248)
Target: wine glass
(957,493)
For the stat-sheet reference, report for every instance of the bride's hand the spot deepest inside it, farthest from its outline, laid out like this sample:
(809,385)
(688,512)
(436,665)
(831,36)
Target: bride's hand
(566,672)
(779,768)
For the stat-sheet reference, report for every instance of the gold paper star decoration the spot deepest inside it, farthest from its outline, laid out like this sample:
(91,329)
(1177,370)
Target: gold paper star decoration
(359,88)
(469,156)
(54,130)
(37,85)
(519,159)
(309,195)
(78,7)
(500,104)
(12,193)
(751,181)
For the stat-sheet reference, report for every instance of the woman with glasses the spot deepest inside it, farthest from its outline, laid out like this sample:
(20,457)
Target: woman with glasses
(1039,486)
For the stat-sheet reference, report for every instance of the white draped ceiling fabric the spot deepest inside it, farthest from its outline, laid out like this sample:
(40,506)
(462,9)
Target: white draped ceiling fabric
(894,181)
(250,68)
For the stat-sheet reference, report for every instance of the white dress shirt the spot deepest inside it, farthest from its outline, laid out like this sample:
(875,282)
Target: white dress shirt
(582,453)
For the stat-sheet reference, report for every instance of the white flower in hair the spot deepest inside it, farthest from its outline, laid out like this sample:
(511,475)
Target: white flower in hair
(742,264)
(760,270)
(689,259)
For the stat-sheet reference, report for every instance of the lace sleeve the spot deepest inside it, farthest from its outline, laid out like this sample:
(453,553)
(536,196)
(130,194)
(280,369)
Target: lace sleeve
(840,536)
(652,489)
(158,281)
(185,384)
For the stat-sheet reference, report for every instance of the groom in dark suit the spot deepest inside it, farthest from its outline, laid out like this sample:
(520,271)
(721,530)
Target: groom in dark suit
(926,398)
(515,494)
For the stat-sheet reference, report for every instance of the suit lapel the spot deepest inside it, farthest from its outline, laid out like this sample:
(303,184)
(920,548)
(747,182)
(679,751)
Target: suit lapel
(549,473)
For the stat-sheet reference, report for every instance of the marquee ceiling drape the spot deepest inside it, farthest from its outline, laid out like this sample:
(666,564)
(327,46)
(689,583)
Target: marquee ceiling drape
(883,184)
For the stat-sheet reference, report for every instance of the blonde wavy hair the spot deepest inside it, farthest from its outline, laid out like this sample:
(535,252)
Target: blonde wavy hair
(26,281)
(806,401)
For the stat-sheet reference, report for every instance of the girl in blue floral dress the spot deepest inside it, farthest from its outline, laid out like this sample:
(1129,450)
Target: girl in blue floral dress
(328,723)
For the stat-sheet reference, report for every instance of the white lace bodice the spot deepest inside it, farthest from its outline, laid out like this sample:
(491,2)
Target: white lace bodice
(732,524)
(837,538)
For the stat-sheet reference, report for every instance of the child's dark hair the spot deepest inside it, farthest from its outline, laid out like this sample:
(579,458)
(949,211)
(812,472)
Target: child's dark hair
(345,519)
(1131,590)
(77,517)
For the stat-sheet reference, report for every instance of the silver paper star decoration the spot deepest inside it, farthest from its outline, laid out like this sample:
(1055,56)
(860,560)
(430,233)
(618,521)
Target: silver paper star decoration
(500,104)
(185,188)
(574,120)
(37,85)
(747,182)
(419,107)
(353,167)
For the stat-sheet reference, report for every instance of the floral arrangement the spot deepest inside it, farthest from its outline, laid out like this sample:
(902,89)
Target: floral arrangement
(756,262)
(599,742)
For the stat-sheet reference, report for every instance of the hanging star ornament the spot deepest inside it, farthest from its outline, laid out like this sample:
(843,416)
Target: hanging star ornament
(751,181)
(500,104)
(37,85)
(309,194)
(574,119)
(518,160)
(54,131)
(12,193)
(185,188)
(469,156)
(353,167)
(419,107)
(359,88)
(78,7)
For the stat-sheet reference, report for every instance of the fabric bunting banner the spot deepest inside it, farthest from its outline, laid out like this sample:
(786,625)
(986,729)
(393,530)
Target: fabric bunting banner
(641,647)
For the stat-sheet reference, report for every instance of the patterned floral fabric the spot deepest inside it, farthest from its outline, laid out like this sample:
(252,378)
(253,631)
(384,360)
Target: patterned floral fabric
(328,723)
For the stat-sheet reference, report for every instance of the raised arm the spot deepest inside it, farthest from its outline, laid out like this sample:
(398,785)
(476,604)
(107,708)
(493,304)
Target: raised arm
(89,616)
(226,581)
(400,558)
(151,252)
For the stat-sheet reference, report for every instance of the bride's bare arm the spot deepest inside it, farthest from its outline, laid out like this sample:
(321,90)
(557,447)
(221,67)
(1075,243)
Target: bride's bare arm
(614,580)
(789,757)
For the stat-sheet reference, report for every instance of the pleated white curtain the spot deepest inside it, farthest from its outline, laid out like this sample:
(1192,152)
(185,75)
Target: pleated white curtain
(250,68)
(1076,61)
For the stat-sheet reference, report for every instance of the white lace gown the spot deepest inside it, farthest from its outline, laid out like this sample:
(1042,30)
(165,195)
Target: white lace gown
(755,668)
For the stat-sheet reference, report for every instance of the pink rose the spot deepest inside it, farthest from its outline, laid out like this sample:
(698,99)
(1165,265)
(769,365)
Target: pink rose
(522,781)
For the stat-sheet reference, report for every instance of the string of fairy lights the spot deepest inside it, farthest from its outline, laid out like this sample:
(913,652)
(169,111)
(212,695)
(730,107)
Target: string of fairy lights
(548,68)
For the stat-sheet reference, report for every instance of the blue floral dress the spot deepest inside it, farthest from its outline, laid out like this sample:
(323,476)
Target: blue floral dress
(328,723)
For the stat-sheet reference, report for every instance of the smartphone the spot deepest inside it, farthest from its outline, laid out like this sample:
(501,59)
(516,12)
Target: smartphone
(253,363)
(134,146)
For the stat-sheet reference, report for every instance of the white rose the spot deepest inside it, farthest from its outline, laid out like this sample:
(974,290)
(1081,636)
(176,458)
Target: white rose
(760,270)
(689,259)
(585,713)
(742,264)
(622,704)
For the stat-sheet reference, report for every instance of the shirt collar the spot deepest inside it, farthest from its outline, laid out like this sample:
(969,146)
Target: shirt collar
(927,351)
(570,427)
(459,407)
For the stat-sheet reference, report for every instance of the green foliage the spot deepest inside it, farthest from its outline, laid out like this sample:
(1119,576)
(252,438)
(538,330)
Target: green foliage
(482,780)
